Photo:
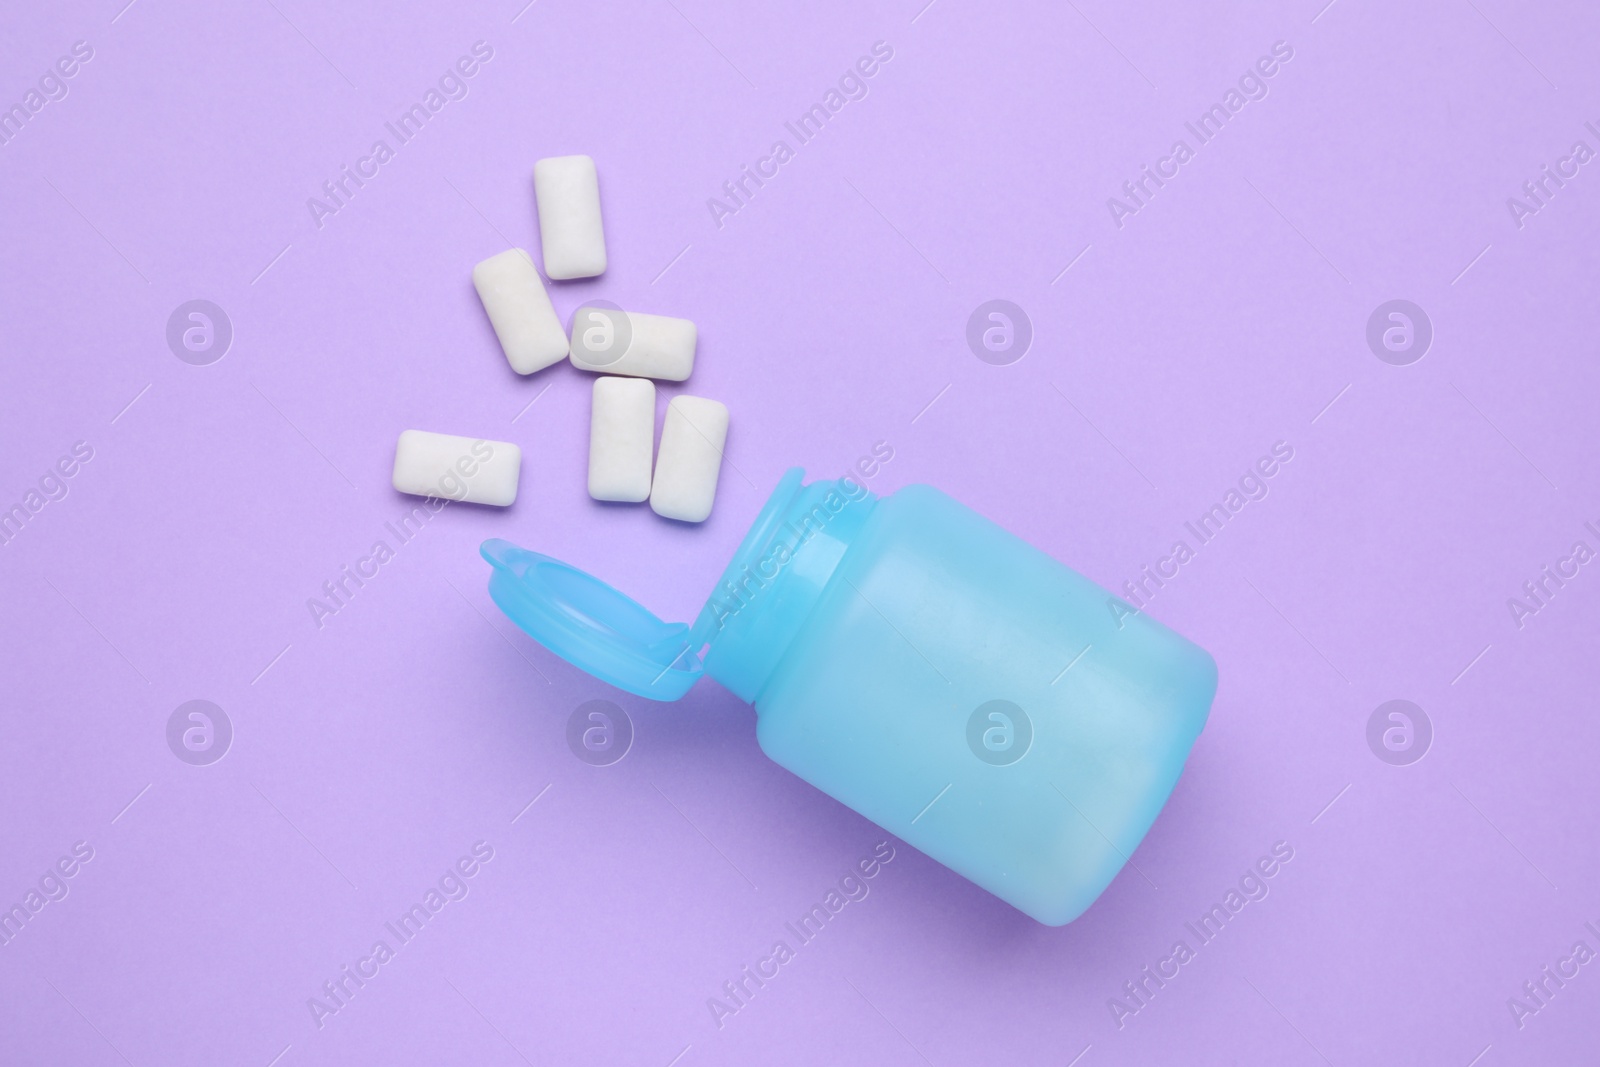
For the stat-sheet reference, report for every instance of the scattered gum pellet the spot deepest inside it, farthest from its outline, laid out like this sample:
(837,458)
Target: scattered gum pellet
(622,431)
(692,437)
(605,341)
(519,309)
(467,469)
(567,190)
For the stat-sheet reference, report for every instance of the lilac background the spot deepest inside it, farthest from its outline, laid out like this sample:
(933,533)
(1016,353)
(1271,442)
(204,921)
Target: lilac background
(1228,314)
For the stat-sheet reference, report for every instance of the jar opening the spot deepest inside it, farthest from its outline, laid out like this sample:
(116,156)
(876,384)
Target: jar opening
(776,576)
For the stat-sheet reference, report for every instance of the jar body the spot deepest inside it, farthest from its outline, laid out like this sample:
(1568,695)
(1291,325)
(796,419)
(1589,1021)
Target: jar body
(980,700)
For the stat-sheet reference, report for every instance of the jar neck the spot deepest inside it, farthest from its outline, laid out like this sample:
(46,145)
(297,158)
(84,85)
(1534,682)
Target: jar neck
(775,578)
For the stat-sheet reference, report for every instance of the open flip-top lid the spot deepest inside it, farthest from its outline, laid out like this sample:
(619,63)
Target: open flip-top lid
(590,624)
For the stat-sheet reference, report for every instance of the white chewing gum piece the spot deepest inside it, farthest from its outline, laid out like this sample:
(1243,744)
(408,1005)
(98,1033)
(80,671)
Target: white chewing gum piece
(605,341)
(622,433)
(567,190)
(467,469)
(692,438)
(530,334)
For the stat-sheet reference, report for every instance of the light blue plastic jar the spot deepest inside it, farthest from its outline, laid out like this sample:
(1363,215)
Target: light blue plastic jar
(921,665)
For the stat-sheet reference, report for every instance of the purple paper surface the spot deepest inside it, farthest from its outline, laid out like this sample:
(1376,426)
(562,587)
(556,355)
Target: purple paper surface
(1189,311)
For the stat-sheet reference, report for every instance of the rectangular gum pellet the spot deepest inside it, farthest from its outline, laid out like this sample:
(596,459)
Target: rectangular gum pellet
(692,437)
(467,469)
(608,341)
(530,334)
(567,190)
(622,432)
